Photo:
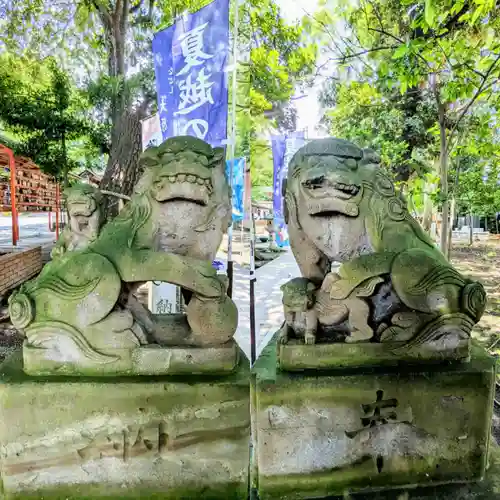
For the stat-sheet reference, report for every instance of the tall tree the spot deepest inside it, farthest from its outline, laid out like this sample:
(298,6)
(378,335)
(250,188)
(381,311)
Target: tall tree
(111,40)
(373,115)
(447,50)
(46,113)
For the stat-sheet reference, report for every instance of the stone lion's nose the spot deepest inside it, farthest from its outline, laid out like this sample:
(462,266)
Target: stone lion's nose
(313,182)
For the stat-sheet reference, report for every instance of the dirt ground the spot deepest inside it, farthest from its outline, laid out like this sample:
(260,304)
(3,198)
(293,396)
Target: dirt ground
(481,261)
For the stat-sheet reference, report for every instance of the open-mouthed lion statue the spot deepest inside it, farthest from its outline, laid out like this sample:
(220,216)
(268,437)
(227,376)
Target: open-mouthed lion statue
(170,231)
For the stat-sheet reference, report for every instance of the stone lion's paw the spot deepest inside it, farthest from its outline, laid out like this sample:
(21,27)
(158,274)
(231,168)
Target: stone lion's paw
(310,339)
(282,337)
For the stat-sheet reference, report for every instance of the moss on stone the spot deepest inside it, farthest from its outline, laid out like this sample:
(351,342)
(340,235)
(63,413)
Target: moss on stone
(265,368)
(160,437)
(296,356)
(488,489)
(342,481)
(11,371)
(234,491)
(451,404)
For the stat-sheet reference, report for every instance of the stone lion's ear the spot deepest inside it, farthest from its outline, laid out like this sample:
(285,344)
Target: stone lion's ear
(146,180)
(371,156)
(311,287)
(218,159)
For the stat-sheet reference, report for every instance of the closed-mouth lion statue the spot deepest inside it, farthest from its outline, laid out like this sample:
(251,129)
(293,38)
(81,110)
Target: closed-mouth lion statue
(340,206)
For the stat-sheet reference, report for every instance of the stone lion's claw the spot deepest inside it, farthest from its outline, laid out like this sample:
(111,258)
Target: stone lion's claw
(217,288)
(309,339)
(282,338)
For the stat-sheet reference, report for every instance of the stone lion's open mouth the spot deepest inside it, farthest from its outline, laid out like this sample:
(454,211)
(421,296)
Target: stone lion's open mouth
(191,179)
(327,197)
(185,187)
(322,187)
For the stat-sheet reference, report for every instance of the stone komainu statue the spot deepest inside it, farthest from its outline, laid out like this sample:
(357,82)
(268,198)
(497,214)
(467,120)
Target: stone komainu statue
(83,202)
(170,231)
(393,284)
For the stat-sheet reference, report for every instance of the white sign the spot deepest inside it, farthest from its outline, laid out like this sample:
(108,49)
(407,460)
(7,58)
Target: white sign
(164,298)
(151,132)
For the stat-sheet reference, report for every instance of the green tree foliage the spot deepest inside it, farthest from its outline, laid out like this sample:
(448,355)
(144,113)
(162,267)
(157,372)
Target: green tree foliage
(281,57)
(447,51)
(375,117)
(476,166)
(107,45)
(43,111)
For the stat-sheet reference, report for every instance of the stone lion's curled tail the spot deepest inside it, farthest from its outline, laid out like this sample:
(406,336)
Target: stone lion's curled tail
(473,300)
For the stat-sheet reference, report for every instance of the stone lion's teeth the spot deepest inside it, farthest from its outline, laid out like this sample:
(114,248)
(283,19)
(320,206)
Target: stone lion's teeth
(171,178)
(207,182)
(191,178)
(200,181)
(181,177)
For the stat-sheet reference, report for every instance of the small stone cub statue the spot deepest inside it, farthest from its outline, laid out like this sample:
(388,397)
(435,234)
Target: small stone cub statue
(300,315)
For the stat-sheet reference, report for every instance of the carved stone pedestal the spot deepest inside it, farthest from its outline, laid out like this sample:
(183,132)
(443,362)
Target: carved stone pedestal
(141,360)
(118,438)
(323,433)
(294,356)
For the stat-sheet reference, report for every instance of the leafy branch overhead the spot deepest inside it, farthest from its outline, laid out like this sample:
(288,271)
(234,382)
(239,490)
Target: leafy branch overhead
(47,113)
(417,73)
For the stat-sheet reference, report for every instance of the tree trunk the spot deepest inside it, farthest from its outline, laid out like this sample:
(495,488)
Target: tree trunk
(470,229)
(428,208)
(126,137)
(65,159)
(452,221)
(122,171)
(443,174)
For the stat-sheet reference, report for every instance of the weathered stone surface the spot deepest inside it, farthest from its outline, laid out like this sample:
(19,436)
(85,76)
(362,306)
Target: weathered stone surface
(319,435)
(488,489)
(83,301)
(300,315)
(83,203)
(143,437)
(142,360)
(393,285)
(295,356)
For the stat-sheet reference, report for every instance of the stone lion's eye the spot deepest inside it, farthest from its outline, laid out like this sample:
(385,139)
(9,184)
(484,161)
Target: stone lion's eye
(351,163)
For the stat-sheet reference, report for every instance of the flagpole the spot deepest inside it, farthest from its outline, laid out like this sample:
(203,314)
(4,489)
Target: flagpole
(233,150)
(253,280)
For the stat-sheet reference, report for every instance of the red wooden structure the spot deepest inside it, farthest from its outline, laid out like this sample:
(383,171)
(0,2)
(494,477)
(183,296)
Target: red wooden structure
(26,189)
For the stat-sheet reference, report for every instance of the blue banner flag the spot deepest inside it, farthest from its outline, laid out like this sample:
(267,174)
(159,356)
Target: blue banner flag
(191,76)
(238,187)
(283,148)
(278,146)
